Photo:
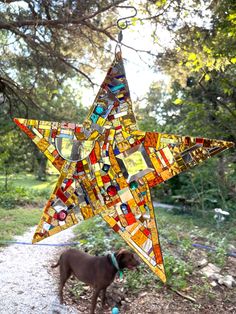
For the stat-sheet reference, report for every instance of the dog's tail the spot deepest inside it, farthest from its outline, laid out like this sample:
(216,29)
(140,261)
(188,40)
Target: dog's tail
(56,265)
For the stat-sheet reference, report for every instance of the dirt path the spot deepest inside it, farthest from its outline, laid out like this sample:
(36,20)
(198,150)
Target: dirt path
(27,284)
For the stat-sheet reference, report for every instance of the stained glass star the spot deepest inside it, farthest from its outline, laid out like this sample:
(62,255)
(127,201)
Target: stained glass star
(107,166)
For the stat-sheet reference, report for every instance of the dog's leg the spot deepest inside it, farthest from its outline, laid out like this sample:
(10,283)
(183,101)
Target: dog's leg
(64,275)
(104,297)
(94,300)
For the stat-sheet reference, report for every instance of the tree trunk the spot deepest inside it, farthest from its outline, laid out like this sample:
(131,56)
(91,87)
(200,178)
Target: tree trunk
(221,169)
(42,163)
(42,169)
(6,179)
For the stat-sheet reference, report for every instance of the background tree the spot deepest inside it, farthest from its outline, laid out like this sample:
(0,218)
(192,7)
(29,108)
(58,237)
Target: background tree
(200,99)
(45,45)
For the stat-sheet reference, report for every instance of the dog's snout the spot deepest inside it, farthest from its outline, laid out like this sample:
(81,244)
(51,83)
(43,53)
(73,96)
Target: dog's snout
(137,262)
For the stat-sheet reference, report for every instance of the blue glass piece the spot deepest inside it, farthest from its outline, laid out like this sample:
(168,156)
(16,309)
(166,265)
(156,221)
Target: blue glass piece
(94,117)
(86,199)
(99,110)
(65,135)
(106,167)
(124,208)
(116,88)
(133,185)
(116,151)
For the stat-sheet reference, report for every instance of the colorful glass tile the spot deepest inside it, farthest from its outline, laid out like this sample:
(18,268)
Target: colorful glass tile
(111,190)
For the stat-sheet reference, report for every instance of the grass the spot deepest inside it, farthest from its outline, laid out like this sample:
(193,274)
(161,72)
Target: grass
(16,221)
(21,206)
(29,181)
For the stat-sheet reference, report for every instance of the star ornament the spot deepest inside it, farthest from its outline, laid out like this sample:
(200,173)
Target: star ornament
(107,167)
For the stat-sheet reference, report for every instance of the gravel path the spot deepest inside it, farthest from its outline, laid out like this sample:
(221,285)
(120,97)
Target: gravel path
(27,285)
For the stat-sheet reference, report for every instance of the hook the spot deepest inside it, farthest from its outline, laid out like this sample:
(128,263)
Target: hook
(126,23)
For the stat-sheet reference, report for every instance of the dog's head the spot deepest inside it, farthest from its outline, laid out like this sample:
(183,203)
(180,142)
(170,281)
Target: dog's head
(126,259)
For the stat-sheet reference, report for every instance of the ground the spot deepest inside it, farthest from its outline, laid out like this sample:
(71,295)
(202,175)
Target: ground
(29,285)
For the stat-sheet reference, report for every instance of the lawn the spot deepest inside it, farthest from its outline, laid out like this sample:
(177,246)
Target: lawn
(29,181)
(21,206)
(16,221)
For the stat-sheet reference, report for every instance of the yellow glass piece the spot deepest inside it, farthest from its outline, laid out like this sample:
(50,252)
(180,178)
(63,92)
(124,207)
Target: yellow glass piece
(135,163)
(37,133)
(139,238)
(42,144)
(32,122)
(72,149)
(93,136)
(87,212)
(36,140)
(54,230)
(49,155)
(101,121)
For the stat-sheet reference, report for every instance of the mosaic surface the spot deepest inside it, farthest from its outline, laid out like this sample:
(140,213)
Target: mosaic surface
(107,167)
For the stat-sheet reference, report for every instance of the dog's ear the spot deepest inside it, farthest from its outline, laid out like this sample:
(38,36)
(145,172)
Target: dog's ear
(120,253)
(121,256)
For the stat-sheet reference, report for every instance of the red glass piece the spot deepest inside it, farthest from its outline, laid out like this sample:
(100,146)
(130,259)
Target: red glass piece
(93,157)
(111,190)
(62,215)
(130,218)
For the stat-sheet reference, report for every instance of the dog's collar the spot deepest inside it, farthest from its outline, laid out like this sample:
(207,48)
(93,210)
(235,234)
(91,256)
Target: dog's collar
(116,265)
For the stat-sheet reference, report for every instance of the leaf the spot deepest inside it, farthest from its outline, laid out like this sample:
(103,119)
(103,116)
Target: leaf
(233,60)
(192,56)
(178,101)
(160,3)
(231,17)
(207,77)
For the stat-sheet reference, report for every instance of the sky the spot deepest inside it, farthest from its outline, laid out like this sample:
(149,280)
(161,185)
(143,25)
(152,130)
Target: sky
(138,69)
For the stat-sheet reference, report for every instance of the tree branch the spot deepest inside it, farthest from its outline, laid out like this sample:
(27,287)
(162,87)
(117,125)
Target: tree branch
(58,22)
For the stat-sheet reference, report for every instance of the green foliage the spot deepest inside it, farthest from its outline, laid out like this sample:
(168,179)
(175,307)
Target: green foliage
(219,256)
(21,204)
(16,221)
(19,196)
(177,271)
(199,101)
(97,240)
(141,279)
(23,190)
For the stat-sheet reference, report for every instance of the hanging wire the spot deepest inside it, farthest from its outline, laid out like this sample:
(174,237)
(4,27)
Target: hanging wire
(123,23)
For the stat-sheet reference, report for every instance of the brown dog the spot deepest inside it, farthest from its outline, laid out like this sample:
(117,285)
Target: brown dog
(96,271)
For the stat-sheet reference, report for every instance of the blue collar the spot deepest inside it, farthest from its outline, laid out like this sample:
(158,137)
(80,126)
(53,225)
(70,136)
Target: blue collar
(116,265)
